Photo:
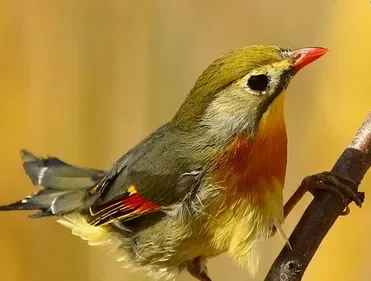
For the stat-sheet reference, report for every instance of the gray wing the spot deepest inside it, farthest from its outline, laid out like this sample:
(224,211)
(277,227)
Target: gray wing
(154,174)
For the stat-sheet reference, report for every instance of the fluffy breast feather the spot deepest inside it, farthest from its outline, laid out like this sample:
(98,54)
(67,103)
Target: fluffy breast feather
(246,164)
(252,172)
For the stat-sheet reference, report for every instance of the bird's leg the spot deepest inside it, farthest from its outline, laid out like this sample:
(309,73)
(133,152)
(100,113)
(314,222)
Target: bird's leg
(344,188)
(197,268)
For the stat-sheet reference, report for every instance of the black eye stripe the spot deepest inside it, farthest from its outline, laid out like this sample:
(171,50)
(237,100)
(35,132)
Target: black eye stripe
(258,82)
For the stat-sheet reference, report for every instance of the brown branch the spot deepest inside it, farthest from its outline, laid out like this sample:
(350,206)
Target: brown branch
(322,212)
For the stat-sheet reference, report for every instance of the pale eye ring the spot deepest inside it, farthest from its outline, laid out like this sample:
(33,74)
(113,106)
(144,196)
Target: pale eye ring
(258,83)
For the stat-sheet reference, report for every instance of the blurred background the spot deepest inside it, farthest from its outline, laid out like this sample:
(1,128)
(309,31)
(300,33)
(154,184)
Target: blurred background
(85,80)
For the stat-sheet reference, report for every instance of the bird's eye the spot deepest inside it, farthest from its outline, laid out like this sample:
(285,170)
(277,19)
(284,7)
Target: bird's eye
(258,83)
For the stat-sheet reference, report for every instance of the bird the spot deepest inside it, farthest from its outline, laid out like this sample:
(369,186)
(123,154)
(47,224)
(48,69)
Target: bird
(207,182)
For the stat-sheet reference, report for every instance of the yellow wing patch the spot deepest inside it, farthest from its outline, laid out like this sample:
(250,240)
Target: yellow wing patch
(132,190)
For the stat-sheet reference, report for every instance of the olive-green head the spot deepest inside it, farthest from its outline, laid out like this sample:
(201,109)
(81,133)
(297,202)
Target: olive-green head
(237,88)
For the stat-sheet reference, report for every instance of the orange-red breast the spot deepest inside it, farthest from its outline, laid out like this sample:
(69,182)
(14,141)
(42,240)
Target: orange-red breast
(209,181)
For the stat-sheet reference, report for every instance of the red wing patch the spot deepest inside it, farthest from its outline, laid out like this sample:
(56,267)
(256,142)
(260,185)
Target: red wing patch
(128,207)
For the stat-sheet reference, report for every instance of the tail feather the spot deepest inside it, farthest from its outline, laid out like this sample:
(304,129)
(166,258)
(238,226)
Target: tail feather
(63,190)
(68,202)
(53,173)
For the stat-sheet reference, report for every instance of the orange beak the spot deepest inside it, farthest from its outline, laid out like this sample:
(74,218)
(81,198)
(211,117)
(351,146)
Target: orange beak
(305,56)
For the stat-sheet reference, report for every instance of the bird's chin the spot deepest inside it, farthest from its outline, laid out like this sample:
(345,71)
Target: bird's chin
(274,111)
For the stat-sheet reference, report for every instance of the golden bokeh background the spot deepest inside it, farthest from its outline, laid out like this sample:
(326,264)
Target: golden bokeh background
(85,80)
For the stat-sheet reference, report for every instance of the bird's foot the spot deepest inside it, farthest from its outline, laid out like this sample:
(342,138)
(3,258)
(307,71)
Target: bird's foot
(342,187)
(197,268)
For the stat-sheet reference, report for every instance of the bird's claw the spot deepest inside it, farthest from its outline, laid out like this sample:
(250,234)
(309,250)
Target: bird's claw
(344,188)
(345,212)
